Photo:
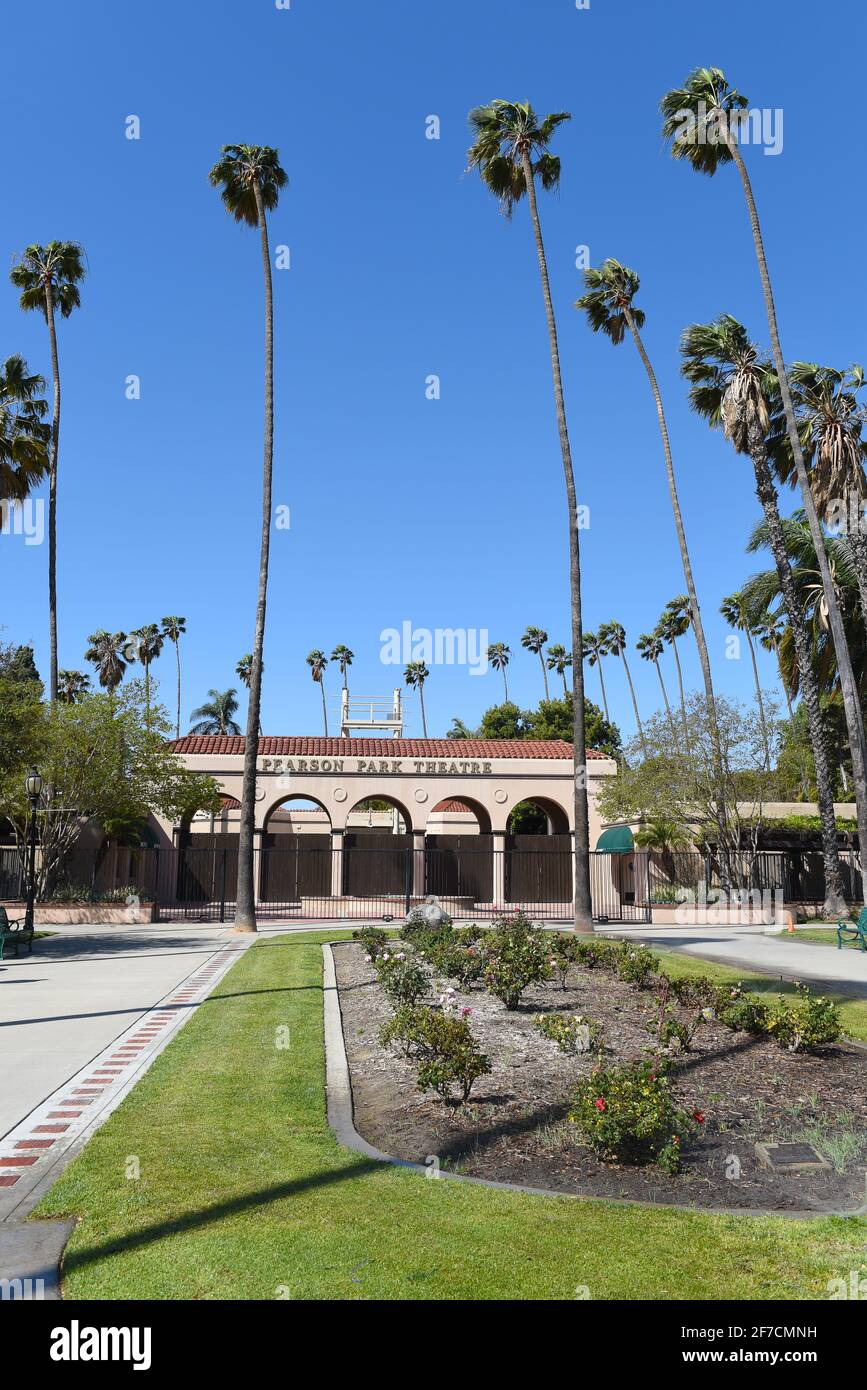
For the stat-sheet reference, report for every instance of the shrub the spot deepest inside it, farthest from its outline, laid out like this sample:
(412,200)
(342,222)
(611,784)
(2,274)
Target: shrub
(627,1113)
(402,978)
(424,935)
(373,939)
(593,954)
(808,1021)
(564,954)
(636,964)
(443,1049)
(516,955)
(740,1012)
(461,962)
(571,1034)
(694,992)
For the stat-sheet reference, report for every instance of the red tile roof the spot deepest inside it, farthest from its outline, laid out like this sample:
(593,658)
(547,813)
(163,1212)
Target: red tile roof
(230,745)
(453,804)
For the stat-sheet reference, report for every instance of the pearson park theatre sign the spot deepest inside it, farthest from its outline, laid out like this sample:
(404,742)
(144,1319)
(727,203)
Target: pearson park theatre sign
(388,767)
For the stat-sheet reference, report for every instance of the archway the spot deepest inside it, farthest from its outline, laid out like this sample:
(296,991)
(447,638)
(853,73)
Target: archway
(378,845)
(295,857)
(459,852)
(538,867)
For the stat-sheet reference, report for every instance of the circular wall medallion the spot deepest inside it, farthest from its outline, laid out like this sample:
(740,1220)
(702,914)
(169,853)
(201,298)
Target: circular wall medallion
(420,794)
(339,794)
(500,796)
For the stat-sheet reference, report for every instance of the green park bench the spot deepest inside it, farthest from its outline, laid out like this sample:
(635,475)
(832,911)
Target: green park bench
(853,931)
(14,933)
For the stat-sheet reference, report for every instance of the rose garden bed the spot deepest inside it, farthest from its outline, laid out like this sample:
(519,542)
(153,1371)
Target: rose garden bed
(514,1127)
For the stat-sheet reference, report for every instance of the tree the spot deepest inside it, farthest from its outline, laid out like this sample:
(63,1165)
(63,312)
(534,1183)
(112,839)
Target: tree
(243,671)
(144,645)
(650,647)
(344,658)
(664,837)
(734,389)
(24,435)
(736,612)
(610,308)
(17,664)
(415,675)
(614,637)
(317,661)
(702,120)
(173,629)
(595,648)
(72,686)
(499,656)
(559,660)
(250,178)
(553,720)
(461,730)
(217,715)
(48,278)
(105,653)
(770,628)
(504,721)
(675,622)
(510,151)
(534,640)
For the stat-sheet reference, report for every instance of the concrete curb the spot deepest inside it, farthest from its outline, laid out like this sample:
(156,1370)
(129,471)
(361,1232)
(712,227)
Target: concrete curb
(341,1120)
(30,1257)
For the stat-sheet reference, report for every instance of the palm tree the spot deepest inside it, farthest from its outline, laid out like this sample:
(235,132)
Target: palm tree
(415,675)
(732,388)
(610,307)
(173,629)
(770,629)
(707,106)
(499,656)
(217,715)
(250,178)
(558,660)
(737,614)
(317,661)
(534,640)
(145,645)
(614,637)
(105,653)
(595,648)
(48,278)
(664,837)
(675,622)
(650,646)
(243,671)
(24,436)
(510,150)
(344,658)
(72,686)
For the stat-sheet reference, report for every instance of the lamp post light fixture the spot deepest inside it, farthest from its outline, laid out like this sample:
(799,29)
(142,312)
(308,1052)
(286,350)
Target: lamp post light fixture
(33,784)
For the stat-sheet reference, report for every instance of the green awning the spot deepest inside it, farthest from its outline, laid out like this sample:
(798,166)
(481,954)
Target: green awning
(616,840)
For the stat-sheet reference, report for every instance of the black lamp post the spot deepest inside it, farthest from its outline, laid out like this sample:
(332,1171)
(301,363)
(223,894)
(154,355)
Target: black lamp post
(33,784)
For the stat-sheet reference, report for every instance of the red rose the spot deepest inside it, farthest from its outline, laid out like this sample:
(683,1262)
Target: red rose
(698,1116)
(599,1103)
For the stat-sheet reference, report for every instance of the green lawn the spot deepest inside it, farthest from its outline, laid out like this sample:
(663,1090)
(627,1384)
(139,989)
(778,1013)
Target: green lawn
(827,935)
(244,1193)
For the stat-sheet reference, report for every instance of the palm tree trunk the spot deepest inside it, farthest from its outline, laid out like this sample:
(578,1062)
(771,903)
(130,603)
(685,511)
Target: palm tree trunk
(805,786)
(505,685)
(245,908)
(324,709)
(421,701)
(664,691)
(602,683)
(835,902)
(849,690)
(178,661)
(565,686)
(52,498)
(680,688)
(759,701)
(695,611)
(544,674)
(634,702)
(583,910)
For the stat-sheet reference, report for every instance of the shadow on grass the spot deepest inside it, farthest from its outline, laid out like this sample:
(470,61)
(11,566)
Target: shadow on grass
(197,1220)
(137,1010)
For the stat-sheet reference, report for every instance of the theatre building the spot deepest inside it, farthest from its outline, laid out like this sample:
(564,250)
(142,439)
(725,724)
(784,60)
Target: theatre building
(352,827)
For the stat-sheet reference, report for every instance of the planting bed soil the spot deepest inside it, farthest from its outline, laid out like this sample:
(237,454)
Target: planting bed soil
(514,1127)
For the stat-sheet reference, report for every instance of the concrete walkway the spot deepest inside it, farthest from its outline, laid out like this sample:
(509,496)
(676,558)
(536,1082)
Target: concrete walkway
(753,948)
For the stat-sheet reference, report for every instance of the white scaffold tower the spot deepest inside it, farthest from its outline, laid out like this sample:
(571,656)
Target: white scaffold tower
(366,716)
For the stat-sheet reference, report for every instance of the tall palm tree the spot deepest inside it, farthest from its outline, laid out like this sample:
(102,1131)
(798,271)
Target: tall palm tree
(675,622)
(595,648)
(651,647)
(105,653)
(244,671)
(317,661)
(415,675)
(24,435)
(72,686)
(733,388)
(217,715)
(173,629)
(510,151)
(534,640)
(609,303)
(499,655)
(770,629)
(344,658)
(559,660)
(707,106)
(250,179)
(614,637)
(736,612)
(145,645)
(48,278)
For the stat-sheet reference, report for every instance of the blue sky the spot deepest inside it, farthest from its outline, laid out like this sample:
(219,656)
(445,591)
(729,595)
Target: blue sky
(446,513)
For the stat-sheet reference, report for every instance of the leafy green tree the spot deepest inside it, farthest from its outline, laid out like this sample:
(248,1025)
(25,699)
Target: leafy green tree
(217,715)
(106,653)
(173,630)
(72,686)
(317,661)
(48,278)
(702,120)
(250,179)
(18,664)
(510,151)
(534,640)
(553,718)
(504,721)
(499,655)
(24,435)
(415,675)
